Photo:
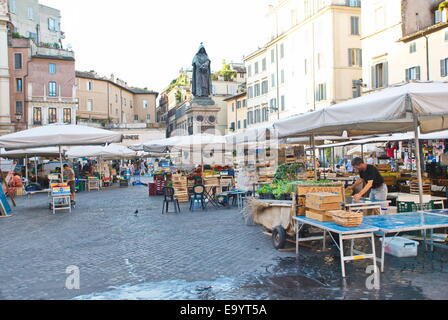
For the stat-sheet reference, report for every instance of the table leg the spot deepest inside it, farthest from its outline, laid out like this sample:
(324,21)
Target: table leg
(341,249)
(297,239)
(374,254)
(352,244)
(431,233)
(324,247)
(383,245)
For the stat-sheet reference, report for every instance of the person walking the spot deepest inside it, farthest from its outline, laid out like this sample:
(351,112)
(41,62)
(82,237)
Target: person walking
(69,178)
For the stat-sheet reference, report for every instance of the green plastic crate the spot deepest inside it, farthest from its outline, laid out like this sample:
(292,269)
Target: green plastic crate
(413,207)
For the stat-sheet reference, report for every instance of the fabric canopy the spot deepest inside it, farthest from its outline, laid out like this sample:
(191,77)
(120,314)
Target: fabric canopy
(112,151)
(389,138)
(366,149)
(179,142)
(58,135)
(386,111)
(52,152)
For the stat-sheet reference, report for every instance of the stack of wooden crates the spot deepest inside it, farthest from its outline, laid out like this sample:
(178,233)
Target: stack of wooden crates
(319,205)
(180,187)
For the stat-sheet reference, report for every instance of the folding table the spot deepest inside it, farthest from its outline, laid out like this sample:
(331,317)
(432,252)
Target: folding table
(364,231)
(405,222)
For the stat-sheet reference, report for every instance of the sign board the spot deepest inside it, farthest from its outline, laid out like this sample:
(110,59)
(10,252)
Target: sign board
(60,189)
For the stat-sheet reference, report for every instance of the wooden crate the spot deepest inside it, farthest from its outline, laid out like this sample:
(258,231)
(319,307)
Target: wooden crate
(315,215)
(180,186)
(323,206)
(323,197)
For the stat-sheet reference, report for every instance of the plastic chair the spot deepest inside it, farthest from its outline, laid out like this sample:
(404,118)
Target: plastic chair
(169,197)
(198,195)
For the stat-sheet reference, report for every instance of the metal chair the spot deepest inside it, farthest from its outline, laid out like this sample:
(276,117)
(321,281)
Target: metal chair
(169,197)
(198,195)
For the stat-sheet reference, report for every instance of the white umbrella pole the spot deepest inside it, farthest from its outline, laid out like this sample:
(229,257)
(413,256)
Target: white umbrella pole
(60,160)
(418,160)
(362,152)
(35,166)
(314,156)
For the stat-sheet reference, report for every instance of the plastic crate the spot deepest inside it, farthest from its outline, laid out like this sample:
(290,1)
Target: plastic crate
(413,207)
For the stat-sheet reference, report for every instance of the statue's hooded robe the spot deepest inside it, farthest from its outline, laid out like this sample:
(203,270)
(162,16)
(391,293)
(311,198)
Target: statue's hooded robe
(202,80)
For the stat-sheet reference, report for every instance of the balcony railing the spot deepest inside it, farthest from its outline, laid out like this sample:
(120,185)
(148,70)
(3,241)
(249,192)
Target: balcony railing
(51,52)
(53,99)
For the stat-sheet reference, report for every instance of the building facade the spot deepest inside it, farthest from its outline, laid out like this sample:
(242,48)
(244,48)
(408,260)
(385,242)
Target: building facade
(403,40)
(36,21)
(42,85)
(111,100)
(237,112)
(296,72)
(5,121)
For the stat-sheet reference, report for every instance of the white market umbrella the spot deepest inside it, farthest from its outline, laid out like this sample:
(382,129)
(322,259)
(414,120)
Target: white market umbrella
(59,136)
(112,151)
(360,150)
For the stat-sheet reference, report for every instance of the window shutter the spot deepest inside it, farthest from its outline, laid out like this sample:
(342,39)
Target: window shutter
(373,78)
(407,75)
(350,60)
(418,73)
(360,57)
(385,74)
(443,70)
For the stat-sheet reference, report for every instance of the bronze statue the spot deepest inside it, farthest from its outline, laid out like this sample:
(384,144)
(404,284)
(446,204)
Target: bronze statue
(202,79)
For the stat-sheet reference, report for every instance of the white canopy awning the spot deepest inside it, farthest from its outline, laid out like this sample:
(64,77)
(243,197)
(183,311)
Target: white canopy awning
(112,151)
(58,135)
(52,152)
(179,142)
(386,111)
(366,150)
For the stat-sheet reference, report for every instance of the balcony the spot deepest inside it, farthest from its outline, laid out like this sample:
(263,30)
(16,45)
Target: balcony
(52,53)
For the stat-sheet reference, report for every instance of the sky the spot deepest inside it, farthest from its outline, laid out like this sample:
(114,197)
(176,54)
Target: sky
(147,42)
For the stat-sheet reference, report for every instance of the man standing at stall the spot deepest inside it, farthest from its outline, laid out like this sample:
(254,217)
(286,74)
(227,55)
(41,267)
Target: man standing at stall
(372,179)
(69,178)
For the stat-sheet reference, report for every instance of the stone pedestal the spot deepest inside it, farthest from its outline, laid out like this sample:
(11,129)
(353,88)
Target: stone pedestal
(202,116)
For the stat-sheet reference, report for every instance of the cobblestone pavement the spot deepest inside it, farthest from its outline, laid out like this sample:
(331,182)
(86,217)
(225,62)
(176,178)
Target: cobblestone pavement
(192,255)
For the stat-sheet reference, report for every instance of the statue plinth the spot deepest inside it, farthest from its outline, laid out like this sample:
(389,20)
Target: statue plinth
(203,101)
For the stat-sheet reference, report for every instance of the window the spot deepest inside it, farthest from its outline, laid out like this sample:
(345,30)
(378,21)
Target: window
(249,71)
(444,67)
(265,114)
(257,116)
(282,103)
(238,104)
(30,14)
(32,35)
(257,90)
(413,73)
(244,103)
(52,115)
(321,92)
(355,57)
(239,124)
(263,65)
(37,115)
(52,26)
(17,61)
(135,117)
(233,106)
(282,76)
(356,86)
(89,85)
(245,123)
(232,126)
(273,105)
(148,118)
(52,68)
(249,117)
(52,88)
(354,26)
(67,115)
(272,56)
(380,77)
(264,87)
(89,105)
(19,107)
(256,67)
(282,51)
(272,80)
(19,85)
(145,104)
(250,91)
(413,47)
(12,6)
(116,98)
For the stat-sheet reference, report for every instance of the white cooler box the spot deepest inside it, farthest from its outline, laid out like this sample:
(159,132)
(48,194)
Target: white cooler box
(401,247)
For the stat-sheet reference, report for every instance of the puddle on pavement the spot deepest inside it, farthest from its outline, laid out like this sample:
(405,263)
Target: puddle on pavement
(286,279)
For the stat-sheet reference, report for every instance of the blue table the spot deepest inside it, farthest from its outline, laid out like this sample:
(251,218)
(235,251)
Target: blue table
(364,231)
(412,221)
